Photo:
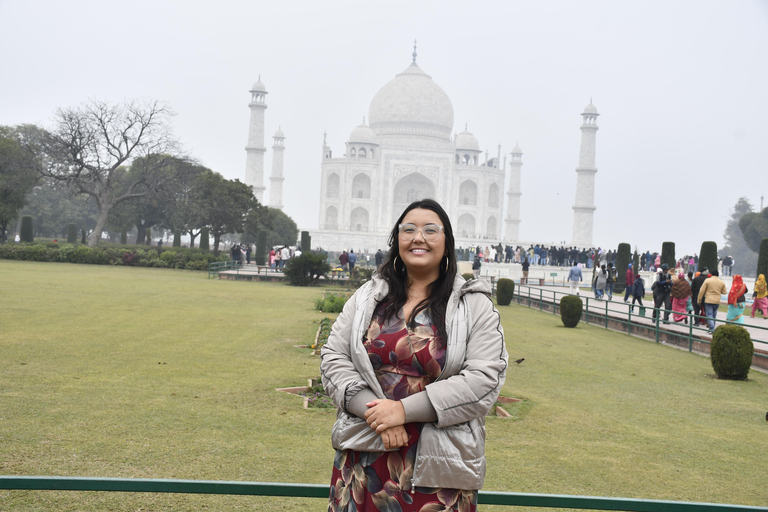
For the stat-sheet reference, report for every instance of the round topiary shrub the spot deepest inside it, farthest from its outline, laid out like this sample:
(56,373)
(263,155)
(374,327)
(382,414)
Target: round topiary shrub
(468,276)
(505,290)
(570,310)
(732,351)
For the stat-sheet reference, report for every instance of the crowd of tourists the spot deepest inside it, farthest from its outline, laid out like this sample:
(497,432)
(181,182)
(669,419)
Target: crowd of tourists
(277,258)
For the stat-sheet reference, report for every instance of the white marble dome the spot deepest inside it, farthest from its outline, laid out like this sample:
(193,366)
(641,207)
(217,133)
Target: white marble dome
(590,109)
(364,134)
(465,140)
(412,104)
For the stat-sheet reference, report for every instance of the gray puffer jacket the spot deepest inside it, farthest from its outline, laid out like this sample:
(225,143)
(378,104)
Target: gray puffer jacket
(451,450)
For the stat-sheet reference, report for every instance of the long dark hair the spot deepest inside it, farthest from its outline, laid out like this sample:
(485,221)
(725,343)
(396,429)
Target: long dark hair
(393,271)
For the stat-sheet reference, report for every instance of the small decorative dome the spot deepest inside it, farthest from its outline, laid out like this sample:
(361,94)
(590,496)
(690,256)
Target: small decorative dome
(258,87)
(364,134)
(516,150)
(279,134)
(466,140)
(590,109)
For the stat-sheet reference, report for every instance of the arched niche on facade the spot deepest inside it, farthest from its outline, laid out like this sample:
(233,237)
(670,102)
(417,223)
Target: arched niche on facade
(332,185)
(493,196)
(362,153)
(361,186)
(411,188)
(466,225)
(490,227)
(358,219)
(352,152)
(468,193)
(331,218)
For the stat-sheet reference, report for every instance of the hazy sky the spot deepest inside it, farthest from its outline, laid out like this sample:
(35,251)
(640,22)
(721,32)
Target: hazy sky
(681,88)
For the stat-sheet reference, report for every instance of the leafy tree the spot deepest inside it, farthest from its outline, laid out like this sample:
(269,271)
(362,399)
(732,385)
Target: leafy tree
(91,145)
(754,227)
(279,227)
(20,165)
(735,244)
(222,205)
(53,207)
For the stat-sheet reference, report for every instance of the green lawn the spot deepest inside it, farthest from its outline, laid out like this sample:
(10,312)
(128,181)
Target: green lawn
(152,373)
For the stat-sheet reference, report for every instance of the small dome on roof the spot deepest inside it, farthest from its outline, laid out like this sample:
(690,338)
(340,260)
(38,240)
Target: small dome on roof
(590,109)
(279,134)
(258,87)
(516,150)
(364,134)
(466,140)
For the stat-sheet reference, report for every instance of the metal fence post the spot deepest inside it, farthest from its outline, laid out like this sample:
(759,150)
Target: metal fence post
(658,317)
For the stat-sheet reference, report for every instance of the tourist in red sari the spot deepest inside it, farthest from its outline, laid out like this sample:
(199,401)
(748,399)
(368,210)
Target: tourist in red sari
(736,300)
(680,292)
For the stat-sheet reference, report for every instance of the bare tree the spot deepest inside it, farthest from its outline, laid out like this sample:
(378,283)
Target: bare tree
(91,148)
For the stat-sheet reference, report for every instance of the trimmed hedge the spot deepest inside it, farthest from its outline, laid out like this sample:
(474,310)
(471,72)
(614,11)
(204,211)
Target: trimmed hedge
(205,239)
(111,254)
(731,352)
(708,256)
(306,269)
(505,291)
(623,259)
(668,254)
(468,276)
(570,310)
(177,238)
(762,259)
(71,233)
(261,248)
(26,234)
(306,242)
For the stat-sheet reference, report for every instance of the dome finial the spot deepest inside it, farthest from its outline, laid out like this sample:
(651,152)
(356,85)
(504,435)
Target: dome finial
(414,51)
(363,119)
(465,127)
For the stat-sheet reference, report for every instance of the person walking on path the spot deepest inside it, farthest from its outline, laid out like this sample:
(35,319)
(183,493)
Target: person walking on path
(761,297)
(661,292)
(574,276)
(698,310)
(526,266)
(476,267)
(638,292)
(709,296)
(601,280)
(629,282)
(736,298)
(610,281)
(680,293)
(351,259)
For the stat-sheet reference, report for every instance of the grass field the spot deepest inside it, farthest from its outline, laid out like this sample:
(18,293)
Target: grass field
(152,373)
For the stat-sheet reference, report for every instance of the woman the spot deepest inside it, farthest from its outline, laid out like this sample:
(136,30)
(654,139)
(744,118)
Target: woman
(414,363)
(761,297)
(601,279)
(736,298)
(680,293)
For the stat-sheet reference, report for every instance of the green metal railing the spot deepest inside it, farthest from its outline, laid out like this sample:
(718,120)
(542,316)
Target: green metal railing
(275,489)
(220,266)
(539,297)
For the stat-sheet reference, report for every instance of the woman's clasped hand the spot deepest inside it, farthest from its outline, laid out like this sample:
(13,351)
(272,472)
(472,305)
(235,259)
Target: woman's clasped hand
(387,418)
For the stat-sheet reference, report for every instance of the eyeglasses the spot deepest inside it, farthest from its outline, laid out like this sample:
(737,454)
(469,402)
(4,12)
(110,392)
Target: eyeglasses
(430,232)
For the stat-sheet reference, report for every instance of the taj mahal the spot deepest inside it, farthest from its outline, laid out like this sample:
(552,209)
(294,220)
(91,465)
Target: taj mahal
(408,150)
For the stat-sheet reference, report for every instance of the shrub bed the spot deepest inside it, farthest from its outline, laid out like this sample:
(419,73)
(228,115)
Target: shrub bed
(332,302)
(111,254)
(323,332)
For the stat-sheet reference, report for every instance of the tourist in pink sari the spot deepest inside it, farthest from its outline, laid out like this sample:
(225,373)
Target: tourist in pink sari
(680,292)
(761,297)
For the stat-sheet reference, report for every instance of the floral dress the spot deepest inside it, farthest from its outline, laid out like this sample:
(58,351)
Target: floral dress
(405,360)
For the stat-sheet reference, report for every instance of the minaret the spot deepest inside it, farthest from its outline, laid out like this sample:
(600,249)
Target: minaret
(584,207)
(254,159)
(512,222)
(276,178)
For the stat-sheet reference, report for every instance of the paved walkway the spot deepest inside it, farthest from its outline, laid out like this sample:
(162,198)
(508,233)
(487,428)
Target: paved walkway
(616,308)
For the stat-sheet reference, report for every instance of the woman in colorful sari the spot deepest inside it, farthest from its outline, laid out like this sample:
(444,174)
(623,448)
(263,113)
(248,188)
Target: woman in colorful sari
(736,300)
(680,292)
(761,297)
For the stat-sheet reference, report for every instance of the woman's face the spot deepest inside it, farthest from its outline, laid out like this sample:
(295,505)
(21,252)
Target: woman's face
(419,255)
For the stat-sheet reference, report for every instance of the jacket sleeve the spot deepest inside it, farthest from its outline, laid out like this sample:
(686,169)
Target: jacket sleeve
(341,380)
(702,293)
(472,392)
